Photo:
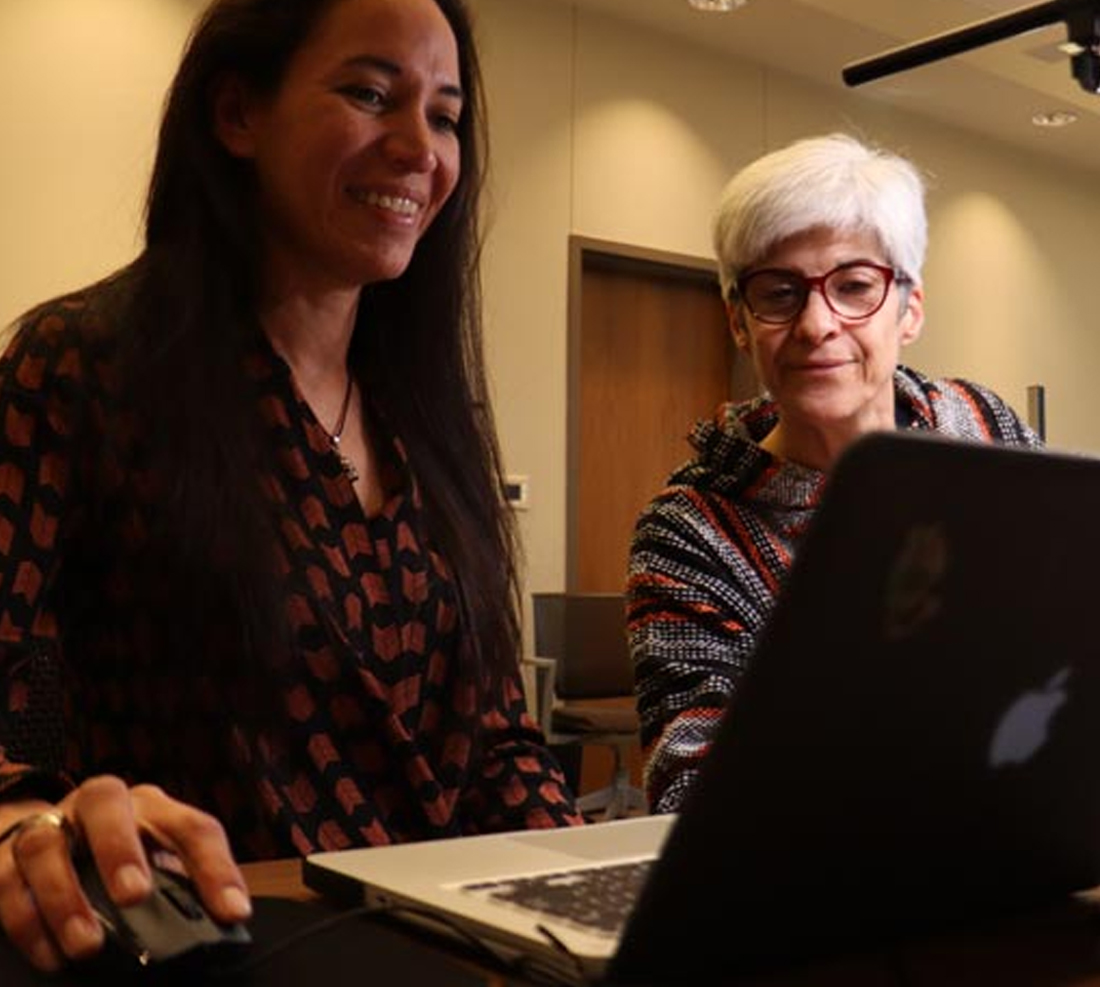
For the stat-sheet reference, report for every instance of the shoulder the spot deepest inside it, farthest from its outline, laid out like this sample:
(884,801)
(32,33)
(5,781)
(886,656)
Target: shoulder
(81,319)
(727,451)
(688,522)
(60,356)
(961,408)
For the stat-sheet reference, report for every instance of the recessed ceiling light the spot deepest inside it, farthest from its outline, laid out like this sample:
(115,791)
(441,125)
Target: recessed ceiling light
(717,5)
(1054,118)
(1071,48)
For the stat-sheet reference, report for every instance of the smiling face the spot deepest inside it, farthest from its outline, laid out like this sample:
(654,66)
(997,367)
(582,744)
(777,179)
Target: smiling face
(357,150)
(832,378)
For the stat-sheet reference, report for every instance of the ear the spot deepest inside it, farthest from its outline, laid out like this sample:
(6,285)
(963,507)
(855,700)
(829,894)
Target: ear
(912,319)
(737,326)
(232,106)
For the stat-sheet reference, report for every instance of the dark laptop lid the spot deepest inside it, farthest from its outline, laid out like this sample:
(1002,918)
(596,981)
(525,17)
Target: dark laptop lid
(915,742)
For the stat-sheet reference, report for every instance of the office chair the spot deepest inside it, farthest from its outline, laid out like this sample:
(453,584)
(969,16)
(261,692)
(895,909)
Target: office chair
(581,649)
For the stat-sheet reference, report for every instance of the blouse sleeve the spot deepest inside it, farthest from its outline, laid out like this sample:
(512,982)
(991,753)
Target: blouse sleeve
(39,378)
(520,784)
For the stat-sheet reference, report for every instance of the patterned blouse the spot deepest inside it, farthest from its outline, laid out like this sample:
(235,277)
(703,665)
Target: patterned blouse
(711,551)
(383,741)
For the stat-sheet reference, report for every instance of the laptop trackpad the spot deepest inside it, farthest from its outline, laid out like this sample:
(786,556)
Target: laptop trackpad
(621,838)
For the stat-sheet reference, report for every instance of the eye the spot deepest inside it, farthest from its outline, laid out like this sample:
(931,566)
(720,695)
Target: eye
(446,123)
(364,95)
(857,283)
(776,290)
(445,112)
(781,290)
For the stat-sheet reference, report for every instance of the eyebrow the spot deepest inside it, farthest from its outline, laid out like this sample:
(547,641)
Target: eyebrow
(839,265)
(392,68)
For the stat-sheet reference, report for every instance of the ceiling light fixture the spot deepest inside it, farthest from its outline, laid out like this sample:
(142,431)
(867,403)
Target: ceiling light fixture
(1054,118)
(1081,17)
(719,6)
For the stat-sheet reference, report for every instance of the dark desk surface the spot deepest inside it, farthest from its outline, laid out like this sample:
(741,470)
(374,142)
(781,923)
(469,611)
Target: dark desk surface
(1060,949)
(283,879)
(297,939)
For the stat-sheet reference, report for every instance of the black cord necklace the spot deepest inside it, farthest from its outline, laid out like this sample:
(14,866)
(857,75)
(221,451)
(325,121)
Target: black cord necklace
(338,431)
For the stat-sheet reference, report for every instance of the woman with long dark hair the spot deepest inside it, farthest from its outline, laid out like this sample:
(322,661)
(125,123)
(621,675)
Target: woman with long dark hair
(258,590)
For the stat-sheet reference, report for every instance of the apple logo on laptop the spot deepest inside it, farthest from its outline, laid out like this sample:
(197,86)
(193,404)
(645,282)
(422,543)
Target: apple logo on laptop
(1024,727)
(912,596)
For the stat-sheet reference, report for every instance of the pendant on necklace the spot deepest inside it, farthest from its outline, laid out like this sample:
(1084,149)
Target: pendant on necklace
(345,464)
(338,431)
(348,467)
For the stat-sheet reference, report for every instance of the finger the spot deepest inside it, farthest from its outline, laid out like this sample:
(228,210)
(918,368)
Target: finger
(23,925)
(42,854)
(104,812)
(198,840)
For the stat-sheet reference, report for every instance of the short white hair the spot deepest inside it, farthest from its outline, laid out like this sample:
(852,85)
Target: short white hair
(833,181)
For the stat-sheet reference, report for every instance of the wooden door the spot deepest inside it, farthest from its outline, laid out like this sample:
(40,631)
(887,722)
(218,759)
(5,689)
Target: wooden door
(650,353)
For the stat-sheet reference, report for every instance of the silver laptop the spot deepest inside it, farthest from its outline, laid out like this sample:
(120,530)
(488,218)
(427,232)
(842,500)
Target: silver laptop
(530,896)
(913,747)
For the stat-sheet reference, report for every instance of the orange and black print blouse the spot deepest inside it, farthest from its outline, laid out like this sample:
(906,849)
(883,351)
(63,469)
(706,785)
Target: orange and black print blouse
(382,739)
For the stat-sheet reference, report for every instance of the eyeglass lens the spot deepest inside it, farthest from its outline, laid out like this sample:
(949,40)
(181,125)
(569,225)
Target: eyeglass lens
(852,291)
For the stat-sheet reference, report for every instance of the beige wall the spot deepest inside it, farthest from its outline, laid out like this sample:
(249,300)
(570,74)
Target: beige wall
(657,127)
(81,83)
(599,129)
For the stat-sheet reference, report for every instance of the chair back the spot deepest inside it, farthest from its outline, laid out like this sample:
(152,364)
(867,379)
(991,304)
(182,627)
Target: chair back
(585,633)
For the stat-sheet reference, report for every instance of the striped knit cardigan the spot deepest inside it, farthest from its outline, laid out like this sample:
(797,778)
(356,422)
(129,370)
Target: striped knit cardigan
(711,551)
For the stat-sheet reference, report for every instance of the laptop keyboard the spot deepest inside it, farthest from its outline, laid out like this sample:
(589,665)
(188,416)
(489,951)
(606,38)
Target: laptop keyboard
(597,899)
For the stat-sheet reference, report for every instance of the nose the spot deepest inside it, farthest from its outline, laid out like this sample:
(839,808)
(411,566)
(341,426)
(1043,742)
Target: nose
(816,321)
(410,142)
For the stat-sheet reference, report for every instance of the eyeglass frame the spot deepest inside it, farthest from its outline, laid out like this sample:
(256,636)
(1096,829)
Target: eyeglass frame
(817,283)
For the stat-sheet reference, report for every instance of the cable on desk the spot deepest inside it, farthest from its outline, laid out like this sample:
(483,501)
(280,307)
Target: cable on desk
(265,955)
(521,966)
(563,949)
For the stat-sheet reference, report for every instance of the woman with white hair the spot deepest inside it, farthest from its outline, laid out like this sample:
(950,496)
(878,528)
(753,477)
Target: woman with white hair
(820,246)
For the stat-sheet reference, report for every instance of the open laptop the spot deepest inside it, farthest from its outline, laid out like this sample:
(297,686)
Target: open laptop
(915,744)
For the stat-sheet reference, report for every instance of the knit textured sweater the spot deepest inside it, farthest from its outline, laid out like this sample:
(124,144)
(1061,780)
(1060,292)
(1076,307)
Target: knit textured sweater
(711,551)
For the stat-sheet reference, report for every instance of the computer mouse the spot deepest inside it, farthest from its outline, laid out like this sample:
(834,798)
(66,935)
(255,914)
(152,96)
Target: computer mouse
(170,925)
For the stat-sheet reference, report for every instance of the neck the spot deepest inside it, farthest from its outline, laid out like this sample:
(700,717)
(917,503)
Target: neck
(312,332)
(313,336)
(337,431)
(815,446)
(307,312)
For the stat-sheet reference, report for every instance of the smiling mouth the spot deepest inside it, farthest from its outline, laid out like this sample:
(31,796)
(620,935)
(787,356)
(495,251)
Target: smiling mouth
(821,367)
(399,204)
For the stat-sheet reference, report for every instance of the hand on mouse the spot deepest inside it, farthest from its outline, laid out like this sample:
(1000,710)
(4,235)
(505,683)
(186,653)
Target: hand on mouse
(42,908)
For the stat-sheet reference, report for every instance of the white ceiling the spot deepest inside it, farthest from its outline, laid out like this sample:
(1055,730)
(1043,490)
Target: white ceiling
(993,90)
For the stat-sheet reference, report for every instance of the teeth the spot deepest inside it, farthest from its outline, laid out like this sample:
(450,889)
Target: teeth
(395,203)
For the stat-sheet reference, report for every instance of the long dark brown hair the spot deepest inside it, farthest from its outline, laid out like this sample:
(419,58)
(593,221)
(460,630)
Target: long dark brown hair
(417,348)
